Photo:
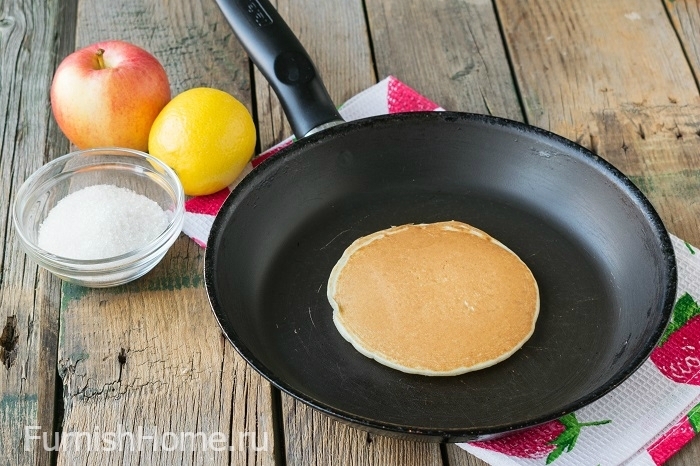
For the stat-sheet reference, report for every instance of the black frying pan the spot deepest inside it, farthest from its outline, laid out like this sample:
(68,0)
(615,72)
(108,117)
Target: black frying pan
(600,254)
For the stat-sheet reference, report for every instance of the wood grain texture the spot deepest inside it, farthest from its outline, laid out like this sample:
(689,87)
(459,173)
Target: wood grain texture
(149,356)
(458,457)
(633,103)
(685,15)
(33,35)
(315,439)
(449,50)
(625,93)
(588,65)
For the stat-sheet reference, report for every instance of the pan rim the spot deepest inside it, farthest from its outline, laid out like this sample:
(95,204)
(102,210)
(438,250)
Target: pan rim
(445,434)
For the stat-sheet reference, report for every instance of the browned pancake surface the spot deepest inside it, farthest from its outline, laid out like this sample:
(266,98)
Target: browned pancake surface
(435,299)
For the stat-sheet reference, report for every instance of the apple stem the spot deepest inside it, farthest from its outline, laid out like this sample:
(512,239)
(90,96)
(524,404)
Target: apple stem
(100,59)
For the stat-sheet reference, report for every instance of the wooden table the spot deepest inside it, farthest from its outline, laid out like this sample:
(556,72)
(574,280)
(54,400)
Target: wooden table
(620,77)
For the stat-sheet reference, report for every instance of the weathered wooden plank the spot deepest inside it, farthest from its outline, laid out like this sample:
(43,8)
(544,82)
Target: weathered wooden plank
(32,38)
(567,49)
(458,457)
(634,103)
(624,92)
(152,362)
(685,15)
(313,438)
(449,50)
(149,356)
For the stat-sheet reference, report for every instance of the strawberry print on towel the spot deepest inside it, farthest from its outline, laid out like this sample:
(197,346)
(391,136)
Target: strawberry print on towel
(677,355)
(547,441)
(209,204)
(676,437)
(402,98)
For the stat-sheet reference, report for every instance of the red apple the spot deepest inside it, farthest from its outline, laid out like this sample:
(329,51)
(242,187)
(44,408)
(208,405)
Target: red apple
(108,94)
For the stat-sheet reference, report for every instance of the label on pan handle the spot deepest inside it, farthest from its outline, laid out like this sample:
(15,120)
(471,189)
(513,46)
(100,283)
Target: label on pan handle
(257,14)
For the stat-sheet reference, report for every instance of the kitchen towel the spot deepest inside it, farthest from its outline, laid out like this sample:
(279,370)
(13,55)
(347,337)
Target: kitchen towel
(644,421)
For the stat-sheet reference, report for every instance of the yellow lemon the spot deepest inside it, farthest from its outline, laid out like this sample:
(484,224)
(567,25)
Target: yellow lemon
(206,136)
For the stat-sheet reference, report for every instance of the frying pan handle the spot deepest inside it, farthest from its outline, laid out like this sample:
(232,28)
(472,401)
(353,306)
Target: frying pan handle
(281,58)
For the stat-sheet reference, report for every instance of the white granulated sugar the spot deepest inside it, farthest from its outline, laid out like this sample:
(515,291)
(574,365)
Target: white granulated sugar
(101,221)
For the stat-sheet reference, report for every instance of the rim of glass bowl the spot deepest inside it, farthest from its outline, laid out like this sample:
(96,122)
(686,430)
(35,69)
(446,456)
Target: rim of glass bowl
(168,179)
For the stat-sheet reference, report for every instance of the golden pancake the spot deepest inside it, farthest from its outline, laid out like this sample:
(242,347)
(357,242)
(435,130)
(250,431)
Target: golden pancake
(434,299)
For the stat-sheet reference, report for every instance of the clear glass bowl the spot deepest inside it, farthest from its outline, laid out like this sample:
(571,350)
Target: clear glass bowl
(125,168)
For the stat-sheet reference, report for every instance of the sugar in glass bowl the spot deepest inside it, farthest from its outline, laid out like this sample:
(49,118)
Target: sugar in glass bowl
(124,168)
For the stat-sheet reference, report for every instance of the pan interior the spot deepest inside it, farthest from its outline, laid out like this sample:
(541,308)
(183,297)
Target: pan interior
(593,247)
